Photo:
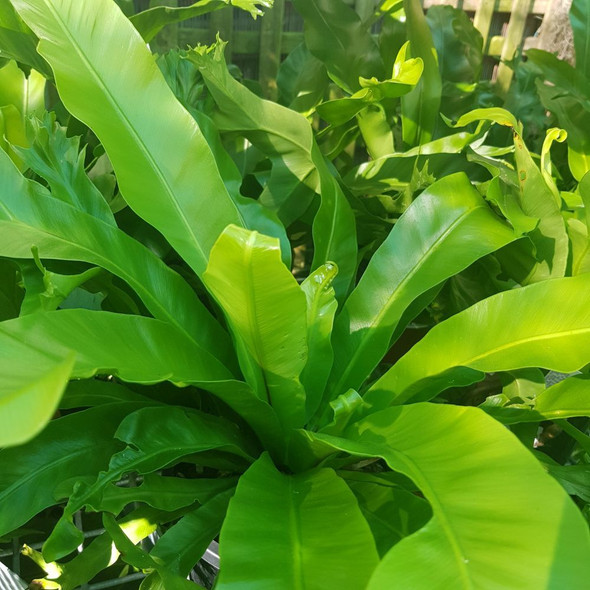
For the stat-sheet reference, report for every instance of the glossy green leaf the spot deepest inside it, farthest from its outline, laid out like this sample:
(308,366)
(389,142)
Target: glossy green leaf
(46,290)
(539,200)
(335,35)
(183,544)
(567,399)
(474,540)
(570,397)
(29,218)
(395,171)
(376,131)
(523,384)
(74,446)
(268,318)
(159,161)
(505,197)
(17,41)
(406,74)
(299,170)
(58,159)
(321,309)
(33,381)
(155,439)
(421,106)
(163,493)
(310,523)
(543,325)
(494,114)
(447,228)
(134,348)
(20,98)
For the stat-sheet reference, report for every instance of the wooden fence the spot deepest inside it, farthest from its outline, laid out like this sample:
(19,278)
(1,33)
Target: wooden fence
(257,46)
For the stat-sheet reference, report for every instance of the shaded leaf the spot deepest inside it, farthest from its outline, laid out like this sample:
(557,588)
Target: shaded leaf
(150,22)
(74,446)
(335,35)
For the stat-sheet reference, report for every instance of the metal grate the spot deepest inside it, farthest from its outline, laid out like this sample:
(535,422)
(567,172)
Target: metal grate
(12,559)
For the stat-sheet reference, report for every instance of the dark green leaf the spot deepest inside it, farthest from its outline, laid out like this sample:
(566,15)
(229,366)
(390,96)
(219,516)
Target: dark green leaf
(181,546)
(335,35)
(156,439)
(74,446)
(151,21)
(29,218)
(420,107)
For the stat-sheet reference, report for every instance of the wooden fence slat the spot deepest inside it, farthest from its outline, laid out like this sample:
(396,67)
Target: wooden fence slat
(270,49)
(483,19)
(365,8)
(222,22)
(167,38)
(514,33)
(260,48)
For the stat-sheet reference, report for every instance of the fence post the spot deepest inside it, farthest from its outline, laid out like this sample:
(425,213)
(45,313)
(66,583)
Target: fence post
(271,32)
(167,38)
(365,8)
(483,19)
(514,37)
(222,22)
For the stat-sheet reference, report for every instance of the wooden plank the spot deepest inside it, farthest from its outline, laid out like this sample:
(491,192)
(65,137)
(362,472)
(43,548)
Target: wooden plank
(270,49)
(483,19)
(167,38)
(222,22)
(514,33)
(365,8)
(538,7)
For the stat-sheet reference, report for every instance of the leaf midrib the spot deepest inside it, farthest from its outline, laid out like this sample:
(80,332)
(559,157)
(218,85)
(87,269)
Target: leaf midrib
(143,148)
(391,302)
(521,341)
(439,512)
(296,541)
(48,467)
(469,362)
(129,278)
